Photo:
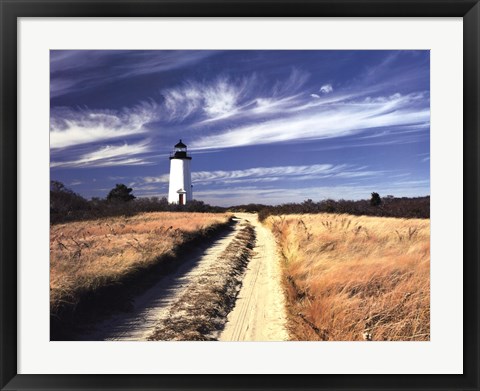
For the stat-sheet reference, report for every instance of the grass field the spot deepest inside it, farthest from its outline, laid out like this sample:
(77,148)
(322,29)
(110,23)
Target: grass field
(355,277)
(88,255)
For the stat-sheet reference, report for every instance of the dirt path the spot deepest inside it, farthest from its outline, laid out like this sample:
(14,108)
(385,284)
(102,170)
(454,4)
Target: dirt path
(154,305)
(259,312)
(258,315)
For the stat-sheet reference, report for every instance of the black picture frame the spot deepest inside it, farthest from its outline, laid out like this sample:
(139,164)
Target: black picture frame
(10,10)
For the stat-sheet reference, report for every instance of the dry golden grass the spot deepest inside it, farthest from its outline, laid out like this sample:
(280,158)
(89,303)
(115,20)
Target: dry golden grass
(355,277)
(90,254)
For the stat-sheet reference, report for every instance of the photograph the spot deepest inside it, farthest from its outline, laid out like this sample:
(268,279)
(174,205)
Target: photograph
(217,195)
(239,195)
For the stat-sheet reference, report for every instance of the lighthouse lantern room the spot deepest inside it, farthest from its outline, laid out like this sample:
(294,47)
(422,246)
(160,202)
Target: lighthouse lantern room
(180,186)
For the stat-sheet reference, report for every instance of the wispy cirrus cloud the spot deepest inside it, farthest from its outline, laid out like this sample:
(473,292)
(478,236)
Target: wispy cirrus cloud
(69,127)
(109,155)
(266,173)
(218,99)
(226,97)
(76,70)
(272,174)
(280,195)
(343,118)
(157,179)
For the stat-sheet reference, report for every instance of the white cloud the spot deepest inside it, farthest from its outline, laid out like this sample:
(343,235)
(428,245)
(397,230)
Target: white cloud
(105,163)
(226,97)
(414,183)
(109,155)
(316,96)
(222,99)
(326,89)
(273,196)
(74,127)
(272,174)
(160,179)
(265,173)
(290,85)
(321,122)
(80,63)
(217,99)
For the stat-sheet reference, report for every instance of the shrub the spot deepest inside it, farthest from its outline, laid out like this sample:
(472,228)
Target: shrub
(120,193)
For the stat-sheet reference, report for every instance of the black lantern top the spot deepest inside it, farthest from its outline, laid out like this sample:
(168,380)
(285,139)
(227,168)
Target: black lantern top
(180,151)
(180,145)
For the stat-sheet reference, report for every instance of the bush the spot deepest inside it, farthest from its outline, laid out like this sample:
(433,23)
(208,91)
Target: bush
(375,200)
(120,193)
(64,203)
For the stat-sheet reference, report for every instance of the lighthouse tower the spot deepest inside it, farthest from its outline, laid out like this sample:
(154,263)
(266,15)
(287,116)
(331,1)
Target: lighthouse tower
(180,187)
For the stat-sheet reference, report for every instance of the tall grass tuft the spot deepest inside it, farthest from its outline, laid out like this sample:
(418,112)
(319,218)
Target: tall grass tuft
(355,277)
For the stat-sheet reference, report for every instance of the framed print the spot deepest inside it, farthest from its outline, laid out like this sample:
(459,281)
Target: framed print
(241,195)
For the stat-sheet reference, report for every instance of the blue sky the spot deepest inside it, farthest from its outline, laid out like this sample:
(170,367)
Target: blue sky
(262,126)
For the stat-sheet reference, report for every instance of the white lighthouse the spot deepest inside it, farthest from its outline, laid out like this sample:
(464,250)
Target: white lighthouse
(180,187)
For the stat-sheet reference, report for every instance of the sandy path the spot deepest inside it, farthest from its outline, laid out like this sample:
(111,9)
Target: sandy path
(259,312)
(154,305)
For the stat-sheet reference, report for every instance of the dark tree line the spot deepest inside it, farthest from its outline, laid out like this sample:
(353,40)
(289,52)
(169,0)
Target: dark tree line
(66,205)
(417,207)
